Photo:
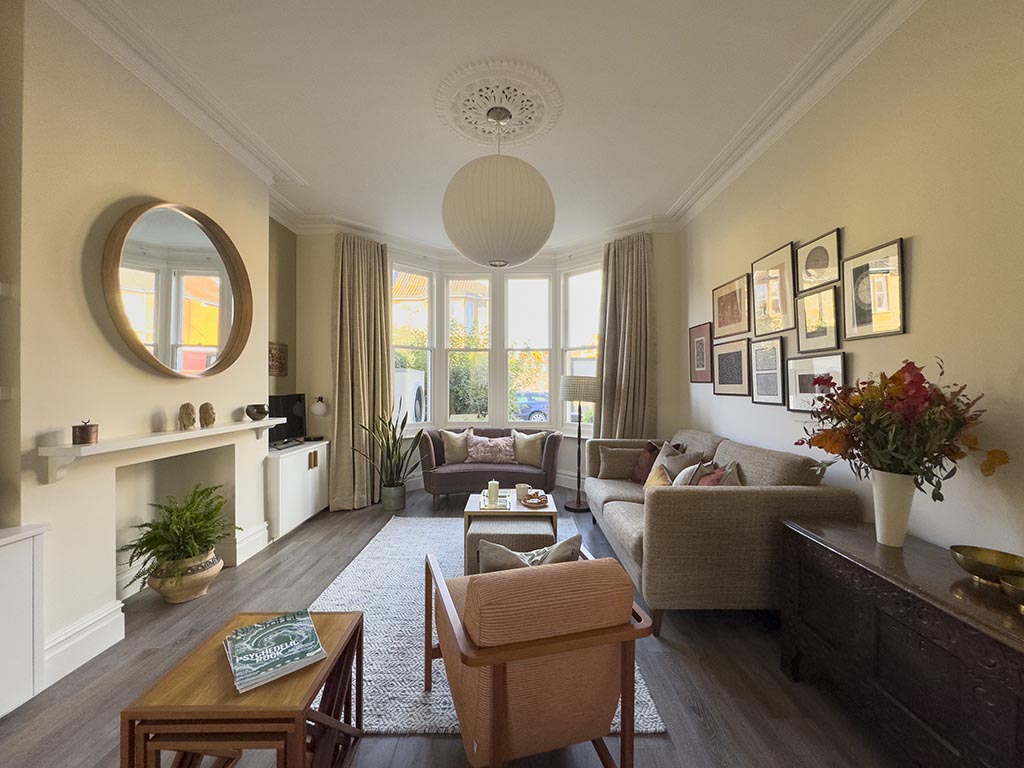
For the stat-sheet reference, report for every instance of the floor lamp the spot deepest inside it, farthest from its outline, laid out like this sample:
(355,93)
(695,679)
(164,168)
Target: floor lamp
(579,390)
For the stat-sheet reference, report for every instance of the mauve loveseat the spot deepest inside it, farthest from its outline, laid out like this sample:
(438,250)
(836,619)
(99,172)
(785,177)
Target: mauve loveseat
(440,478)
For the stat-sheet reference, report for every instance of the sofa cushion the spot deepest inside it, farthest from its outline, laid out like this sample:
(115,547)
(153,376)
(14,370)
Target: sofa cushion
(529,449)
(599,492)
(658,477)
(623,525)
(648,456)
(617,463)
(674,461)
(456,446)
(695,440)
(497,557)
(760,466)
(491,450)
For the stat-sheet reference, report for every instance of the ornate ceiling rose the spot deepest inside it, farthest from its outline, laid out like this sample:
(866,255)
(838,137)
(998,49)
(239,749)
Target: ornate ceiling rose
(469,92)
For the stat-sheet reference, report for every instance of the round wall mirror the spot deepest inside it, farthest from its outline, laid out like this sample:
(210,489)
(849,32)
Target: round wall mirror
(177,290)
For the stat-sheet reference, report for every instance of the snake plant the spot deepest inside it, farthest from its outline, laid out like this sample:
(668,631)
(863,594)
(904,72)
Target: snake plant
(394,463)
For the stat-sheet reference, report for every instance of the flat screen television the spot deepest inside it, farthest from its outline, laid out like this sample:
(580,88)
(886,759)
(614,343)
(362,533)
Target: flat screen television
(293,408)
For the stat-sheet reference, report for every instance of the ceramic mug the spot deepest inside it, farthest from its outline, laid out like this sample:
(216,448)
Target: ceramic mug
(522,489)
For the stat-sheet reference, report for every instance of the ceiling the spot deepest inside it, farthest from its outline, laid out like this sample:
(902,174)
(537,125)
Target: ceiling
(340,96)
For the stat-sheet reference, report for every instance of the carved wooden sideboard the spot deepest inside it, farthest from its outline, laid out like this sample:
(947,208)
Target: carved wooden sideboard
(923,656)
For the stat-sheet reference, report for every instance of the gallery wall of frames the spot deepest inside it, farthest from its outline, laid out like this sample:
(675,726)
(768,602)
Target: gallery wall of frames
(808,295)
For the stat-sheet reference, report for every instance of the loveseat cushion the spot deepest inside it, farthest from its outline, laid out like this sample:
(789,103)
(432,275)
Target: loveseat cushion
(623,525)
(600,492)
(761,466)
(488,471)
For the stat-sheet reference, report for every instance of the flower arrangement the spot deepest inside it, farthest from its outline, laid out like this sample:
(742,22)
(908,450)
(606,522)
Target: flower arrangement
(903,424)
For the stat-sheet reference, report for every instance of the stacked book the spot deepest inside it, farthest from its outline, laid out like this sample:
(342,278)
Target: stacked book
(271,649)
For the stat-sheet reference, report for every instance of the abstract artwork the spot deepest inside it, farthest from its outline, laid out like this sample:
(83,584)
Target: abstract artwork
(873,292)
(772,290)
(700,354)
(730,304)
(802,373)
(817,328)
(817,262)
(768,385)
(278,359)
(732,368)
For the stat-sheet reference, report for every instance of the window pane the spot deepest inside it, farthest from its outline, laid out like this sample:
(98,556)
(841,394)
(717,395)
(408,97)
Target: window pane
(200,310)
(469,306)
(467,386)
(138,293)
(584,309)
(412,383)
(580,362)
(528,313)
(529,395)
(410,309)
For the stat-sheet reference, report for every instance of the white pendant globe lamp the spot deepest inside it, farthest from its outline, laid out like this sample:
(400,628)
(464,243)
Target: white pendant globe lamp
(498,211)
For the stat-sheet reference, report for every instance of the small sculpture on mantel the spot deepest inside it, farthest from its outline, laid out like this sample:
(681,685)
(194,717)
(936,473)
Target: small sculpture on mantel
(187,416)
(207,416)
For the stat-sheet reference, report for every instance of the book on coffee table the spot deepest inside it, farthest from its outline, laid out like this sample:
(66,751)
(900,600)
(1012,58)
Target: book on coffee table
(271,649)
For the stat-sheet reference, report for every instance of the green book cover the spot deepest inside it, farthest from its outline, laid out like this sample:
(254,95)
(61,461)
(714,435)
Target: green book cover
(265,651)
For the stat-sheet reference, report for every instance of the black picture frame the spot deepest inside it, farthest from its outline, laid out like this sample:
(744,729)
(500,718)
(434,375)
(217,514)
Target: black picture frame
(742,306)
(802,345)
(729,347)
(855,282)
(776,342)
(831,243)
(701,333)
(787,290)
(793,386)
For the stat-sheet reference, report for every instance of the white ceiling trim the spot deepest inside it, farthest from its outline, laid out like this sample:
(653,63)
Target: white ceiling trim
(849,41)
(113,29)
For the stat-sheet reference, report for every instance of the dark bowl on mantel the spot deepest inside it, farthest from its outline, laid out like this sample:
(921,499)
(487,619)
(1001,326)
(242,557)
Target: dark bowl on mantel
(987,566)
(1013,588)
(257,411)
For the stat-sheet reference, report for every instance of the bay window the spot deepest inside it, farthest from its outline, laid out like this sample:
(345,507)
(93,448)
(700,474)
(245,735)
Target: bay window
(582,328)
(468,349)
(411,344)
(528,352)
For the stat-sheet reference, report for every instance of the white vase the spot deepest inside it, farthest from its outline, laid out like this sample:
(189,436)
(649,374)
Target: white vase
(893,495)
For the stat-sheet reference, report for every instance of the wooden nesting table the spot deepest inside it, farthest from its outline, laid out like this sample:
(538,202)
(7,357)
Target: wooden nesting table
(194,709)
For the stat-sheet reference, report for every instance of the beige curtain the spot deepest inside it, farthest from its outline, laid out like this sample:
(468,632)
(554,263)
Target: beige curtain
(625,361)
(362,365)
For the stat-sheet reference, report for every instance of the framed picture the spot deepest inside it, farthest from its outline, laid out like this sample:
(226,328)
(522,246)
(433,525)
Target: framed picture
(817,262)
(873,292)
(768,383)
(730,304)
(700,354)
(732,368)
(772,289)
(801,373)
(817,329)
(278,359)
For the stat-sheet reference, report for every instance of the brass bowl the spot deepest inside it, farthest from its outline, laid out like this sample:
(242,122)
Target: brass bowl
(987,566)
(1013,588)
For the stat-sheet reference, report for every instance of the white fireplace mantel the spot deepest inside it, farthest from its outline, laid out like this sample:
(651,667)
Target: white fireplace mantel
(59,457)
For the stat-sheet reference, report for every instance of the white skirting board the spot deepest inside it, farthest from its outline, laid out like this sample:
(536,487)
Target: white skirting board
(567,480)
(249,543)
(74,645)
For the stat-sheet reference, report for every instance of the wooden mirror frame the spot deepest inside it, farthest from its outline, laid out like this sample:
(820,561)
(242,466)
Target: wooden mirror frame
(241,289)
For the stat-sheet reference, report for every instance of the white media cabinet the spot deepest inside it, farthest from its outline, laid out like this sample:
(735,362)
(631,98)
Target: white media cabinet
(297,485)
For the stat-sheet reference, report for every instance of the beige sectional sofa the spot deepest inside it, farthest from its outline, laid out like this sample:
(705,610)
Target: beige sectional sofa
(710,548)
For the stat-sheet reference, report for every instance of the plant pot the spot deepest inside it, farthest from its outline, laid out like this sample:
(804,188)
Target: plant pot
(893,496)
(392,498)
(198,573)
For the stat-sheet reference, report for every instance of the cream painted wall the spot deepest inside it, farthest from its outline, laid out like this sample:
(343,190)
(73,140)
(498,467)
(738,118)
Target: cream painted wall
(96,142)
(314,278)
(281,309)
(923,141)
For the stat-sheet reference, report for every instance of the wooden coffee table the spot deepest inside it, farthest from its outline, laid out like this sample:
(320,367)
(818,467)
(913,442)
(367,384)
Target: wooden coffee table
(515,510)
(194,709)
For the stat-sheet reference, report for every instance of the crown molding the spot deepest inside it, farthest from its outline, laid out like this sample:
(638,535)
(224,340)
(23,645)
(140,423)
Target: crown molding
(861,29)
(111,27)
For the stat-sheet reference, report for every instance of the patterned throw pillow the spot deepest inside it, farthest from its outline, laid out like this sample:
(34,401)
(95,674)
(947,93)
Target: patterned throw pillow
(491,450)
(456,445)
(529,449)
(645,463)
(495,557)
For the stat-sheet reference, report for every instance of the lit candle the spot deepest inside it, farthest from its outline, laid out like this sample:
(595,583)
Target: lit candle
(492,492)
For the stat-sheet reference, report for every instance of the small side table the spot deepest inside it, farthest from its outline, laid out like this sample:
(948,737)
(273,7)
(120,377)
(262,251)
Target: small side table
(194,709)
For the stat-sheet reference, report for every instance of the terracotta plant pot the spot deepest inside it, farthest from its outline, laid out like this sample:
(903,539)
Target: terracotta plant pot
(198,573)
(392,498)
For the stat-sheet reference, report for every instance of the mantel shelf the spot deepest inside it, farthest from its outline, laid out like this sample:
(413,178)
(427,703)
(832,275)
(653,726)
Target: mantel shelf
(59,457)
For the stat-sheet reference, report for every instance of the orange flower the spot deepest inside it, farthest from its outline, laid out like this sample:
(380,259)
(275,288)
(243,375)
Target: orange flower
(833,441)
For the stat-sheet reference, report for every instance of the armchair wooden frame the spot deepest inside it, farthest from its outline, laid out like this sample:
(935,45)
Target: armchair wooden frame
(498,657)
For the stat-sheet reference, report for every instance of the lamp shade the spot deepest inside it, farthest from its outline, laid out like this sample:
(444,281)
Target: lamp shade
(498,211)
(582,389)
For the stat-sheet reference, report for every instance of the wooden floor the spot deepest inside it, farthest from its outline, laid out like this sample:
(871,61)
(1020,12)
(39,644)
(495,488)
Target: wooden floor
(714,676)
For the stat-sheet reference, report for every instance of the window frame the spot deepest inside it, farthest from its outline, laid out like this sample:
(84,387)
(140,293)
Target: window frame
(445,319)
(430,349)
(595,265)
(553,337)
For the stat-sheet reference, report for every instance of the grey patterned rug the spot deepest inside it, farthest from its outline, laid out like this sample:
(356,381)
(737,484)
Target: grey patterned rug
(385,581)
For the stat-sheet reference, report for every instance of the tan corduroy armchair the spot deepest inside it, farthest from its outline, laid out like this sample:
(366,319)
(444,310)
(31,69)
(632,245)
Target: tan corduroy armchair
(536,658)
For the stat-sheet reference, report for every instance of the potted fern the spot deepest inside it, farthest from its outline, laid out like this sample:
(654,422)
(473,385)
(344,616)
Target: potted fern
(176,550)
(394,463)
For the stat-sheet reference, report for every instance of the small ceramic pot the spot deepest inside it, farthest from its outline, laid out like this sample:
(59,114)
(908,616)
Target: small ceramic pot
(85,433)
(257,411)
(199,573)
(392,498)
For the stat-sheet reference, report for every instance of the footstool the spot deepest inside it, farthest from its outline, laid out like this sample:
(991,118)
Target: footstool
(520,534)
